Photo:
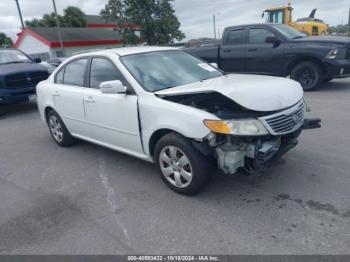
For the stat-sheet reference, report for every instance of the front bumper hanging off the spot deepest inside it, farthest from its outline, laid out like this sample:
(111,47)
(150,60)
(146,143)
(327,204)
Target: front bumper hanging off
(311,123)
(256,156)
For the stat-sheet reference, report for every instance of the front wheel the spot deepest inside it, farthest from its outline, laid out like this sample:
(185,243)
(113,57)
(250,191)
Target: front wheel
(181,166)
(308,74)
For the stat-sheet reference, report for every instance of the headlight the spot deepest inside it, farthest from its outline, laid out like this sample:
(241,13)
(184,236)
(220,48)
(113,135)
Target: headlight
(337,54)
(248,127)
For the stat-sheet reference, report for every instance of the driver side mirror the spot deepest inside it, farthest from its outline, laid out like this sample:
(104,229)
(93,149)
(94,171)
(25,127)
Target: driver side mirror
(273,40)
(113,87)
(37,60)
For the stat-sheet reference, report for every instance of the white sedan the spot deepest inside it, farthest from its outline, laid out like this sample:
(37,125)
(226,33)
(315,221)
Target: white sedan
(165,106)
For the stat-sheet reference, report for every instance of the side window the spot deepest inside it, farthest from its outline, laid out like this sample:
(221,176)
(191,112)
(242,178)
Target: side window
(74,73)
(103,70)
(235,37)
(258,35)
(59,77)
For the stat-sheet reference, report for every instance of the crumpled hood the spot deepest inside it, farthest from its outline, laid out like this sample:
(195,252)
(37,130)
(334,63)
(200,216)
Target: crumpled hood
(254,92)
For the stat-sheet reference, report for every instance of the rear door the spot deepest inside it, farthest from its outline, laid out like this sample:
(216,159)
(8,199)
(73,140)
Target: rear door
(68,93)
(233,50)
(112,118)
(262,57)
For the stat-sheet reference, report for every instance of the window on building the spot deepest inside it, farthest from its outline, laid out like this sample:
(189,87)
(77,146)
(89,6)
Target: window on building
(59,53)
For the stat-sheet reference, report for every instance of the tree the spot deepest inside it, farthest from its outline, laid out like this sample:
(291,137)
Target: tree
(115,10)
(72,17)
(5,41)
(157,19)
(342,29)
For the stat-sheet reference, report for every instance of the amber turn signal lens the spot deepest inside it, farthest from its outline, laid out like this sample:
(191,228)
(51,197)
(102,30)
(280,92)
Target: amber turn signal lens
(218,126)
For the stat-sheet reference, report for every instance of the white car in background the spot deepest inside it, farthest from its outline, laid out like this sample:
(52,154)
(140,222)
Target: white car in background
(165,106)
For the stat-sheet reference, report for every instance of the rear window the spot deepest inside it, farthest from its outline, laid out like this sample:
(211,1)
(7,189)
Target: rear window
(73,73)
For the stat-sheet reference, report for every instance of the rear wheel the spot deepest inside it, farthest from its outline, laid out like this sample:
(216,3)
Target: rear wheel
(308,74)
(58,130)
(181,166)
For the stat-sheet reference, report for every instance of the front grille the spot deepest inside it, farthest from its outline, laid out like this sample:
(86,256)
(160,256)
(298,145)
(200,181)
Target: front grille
(25,79)
(286,121)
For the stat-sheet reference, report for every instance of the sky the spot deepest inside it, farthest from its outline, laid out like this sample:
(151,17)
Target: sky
(195,16)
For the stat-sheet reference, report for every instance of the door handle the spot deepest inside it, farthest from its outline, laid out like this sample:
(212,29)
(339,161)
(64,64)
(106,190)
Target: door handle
(56,94)
(227,50)
(89,100)
(252,49)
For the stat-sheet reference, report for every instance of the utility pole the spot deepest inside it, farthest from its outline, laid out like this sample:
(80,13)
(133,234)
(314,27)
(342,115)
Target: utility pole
(214,26)
(58,28)
(20,14)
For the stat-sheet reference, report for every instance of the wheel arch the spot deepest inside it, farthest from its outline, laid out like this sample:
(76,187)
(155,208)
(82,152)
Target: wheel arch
(305,59)
(46,112)
(158,134)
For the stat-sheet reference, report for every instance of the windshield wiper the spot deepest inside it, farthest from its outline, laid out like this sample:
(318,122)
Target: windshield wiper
(298,37)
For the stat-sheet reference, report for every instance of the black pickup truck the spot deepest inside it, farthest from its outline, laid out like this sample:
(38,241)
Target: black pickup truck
(275,49)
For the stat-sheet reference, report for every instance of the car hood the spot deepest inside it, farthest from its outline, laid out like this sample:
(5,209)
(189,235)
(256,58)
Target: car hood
(336,40)
(21,68)
(258,93)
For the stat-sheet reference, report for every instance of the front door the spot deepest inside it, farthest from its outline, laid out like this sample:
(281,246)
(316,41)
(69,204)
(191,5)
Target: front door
(233,51)
(262,57)
(113,118)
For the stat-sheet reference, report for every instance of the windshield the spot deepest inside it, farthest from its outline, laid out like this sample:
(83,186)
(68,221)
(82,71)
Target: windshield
(165,69)
(289,32)
(13,56)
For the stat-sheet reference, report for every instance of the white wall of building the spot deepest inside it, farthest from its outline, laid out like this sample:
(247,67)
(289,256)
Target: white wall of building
(32,46)
(35,48)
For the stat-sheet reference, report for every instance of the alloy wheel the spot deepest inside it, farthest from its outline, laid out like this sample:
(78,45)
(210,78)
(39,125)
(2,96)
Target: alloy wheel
(56,128)
(175,166)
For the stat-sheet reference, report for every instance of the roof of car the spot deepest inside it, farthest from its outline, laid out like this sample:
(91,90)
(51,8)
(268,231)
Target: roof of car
(123,51)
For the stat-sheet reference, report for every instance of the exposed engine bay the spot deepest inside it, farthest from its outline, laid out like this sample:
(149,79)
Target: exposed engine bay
(217,104)
(248,154)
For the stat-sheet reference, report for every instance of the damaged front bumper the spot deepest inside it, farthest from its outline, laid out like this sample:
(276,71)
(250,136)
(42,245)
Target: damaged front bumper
(253,155)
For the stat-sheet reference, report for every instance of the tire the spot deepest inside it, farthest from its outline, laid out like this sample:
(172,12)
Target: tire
(58,130)
(308,74)
(188,177)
